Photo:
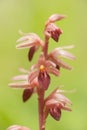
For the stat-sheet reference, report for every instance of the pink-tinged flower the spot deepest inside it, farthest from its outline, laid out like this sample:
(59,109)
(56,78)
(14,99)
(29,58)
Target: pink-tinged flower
(51,30)
(59,53)
(31,41)
(21,81)
(17,127)
(56,102)
(41,71)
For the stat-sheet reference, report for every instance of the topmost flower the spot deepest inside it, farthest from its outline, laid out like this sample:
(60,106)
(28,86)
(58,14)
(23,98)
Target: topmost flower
(51,30)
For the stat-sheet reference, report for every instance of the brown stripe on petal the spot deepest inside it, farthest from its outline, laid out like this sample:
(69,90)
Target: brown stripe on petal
(19,85)
(31,53)
(27,93)
(44,80)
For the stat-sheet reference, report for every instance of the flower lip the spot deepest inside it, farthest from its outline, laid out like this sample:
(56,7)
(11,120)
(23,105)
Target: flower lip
(55,113)
(43,80)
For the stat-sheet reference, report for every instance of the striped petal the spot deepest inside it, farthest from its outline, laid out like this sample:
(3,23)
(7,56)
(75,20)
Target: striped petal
(53,71)
(20,77)
(32,76)
(25,44)
(62,53)
(17,127)
(20,85)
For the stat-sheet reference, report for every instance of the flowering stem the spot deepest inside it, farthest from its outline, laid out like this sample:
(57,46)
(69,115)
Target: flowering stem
(41,109)
(38,78)
(45,48)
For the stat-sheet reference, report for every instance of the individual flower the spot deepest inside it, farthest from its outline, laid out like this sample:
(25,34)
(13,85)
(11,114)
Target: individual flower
(18,127)
(58,53)
(41,71)
(21,81)
(51,30)
(55,103)
(31,41)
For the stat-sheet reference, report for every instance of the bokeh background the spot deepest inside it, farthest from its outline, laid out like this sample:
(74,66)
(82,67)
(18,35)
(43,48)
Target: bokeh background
(30,16)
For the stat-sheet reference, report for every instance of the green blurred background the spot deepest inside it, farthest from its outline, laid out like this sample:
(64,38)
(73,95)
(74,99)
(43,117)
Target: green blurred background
(30,16)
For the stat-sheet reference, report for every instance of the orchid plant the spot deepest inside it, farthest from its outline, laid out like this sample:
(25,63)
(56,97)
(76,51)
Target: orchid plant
(37,79)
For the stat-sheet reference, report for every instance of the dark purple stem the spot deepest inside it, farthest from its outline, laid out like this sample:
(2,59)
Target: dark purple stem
(41,109)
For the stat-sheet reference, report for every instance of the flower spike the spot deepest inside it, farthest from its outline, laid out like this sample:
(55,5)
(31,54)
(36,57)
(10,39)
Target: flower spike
(38,78)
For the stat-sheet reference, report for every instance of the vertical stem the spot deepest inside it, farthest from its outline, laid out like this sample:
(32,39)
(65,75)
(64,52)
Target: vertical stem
(41,92)
(41,109)
(45,48)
